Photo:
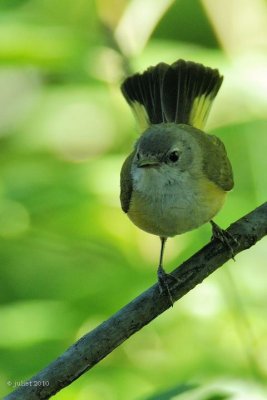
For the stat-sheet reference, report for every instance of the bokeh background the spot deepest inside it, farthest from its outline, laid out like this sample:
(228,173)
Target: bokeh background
(69,257)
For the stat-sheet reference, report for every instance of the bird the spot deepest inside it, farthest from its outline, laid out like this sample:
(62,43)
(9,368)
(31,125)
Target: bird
(177,176)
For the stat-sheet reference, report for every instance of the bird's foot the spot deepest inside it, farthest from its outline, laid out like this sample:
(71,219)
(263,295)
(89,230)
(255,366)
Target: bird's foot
(164,281)
(225,237)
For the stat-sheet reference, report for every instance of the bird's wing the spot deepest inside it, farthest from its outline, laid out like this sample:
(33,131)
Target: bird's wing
(216,164)
(126,183)
(182,93)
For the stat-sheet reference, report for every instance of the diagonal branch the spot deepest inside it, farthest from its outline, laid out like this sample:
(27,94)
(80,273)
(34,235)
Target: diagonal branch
(97,344)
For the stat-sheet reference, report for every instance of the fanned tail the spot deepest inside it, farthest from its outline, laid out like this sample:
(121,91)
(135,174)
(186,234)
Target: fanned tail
(182,92)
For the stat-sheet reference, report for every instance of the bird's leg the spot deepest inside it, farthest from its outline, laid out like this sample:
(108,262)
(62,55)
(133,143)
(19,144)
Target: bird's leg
(163,277)
(225,237)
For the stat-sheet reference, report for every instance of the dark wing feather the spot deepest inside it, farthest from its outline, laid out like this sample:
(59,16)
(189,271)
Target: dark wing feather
(216,165)
(224,177)
(126,183)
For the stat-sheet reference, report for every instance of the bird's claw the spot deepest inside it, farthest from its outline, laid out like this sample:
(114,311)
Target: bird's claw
(224,236)
(164,286)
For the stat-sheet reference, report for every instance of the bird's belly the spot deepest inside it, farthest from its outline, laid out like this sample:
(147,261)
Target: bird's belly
(176,211)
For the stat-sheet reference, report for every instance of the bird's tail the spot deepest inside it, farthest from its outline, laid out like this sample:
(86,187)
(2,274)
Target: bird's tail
(182,93)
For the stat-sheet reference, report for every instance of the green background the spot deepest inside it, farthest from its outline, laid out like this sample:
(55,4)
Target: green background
(69,257)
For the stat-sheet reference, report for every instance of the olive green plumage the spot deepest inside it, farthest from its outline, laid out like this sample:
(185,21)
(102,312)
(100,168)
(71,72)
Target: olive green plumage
(216,165)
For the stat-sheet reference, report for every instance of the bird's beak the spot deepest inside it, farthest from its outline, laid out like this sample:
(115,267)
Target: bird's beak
(147,163)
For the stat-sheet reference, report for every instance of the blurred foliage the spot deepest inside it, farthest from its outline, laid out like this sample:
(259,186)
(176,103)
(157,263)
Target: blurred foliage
(69,257)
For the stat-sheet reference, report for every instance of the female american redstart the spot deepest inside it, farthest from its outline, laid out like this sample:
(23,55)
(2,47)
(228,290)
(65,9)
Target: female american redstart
(177,176)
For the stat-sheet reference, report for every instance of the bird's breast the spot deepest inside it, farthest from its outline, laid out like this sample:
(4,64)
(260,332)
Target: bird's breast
(171,205)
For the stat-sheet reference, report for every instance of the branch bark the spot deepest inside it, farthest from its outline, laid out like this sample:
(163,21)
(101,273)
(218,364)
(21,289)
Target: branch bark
(97,344)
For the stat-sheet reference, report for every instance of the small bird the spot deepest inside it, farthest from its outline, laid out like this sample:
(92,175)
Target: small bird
(177,176)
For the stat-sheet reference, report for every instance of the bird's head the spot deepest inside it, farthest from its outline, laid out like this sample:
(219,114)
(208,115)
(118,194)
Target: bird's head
(166,149)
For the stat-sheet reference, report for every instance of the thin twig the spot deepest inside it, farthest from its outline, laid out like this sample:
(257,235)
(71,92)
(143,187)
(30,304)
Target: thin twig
(97,344)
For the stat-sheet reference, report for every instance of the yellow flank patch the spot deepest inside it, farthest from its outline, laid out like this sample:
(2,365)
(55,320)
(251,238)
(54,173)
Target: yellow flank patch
(212,196)
(200,111)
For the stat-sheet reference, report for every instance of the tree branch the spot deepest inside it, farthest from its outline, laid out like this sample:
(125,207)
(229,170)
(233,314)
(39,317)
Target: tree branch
(95,345)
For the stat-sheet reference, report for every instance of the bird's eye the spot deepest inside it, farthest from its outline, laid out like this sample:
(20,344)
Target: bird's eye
(174,156)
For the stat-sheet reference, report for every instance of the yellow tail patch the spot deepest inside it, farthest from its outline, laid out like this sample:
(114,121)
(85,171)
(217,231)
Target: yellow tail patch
(182,93)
